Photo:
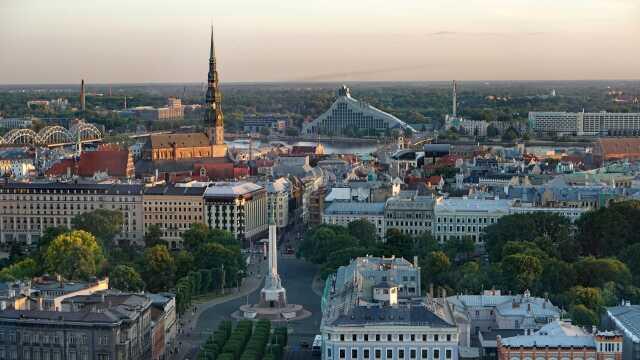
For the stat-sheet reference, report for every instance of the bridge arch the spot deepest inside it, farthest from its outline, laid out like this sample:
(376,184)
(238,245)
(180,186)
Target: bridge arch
(55,134)
(22,136)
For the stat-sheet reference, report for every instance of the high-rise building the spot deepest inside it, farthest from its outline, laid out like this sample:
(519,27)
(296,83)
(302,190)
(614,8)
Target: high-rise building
(454,111)
(585,123)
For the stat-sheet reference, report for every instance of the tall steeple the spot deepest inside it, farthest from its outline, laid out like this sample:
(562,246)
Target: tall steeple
(213,118)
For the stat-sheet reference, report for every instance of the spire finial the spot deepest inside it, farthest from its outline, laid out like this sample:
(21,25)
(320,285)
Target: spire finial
(212,50)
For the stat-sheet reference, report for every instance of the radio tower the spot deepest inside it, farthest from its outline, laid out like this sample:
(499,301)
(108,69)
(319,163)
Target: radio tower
(454,112)
(82,99)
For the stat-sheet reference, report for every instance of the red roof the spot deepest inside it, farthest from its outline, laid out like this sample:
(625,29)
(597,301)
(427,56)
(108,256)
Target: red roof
(303,150)
(60,168)
(113,162)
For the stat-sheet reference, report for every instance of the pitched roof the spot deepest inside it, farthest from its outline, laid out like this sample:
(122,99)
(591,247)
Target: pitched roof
(618,146)
(398,316)
(627,317)
(113,162)
(181,140)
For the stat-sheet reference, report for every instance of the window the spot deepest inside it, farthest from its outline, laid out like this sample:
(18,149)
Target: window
(436,354)
(401,354)
(388,337)
(447,353)
(365,353)
(366,337)
(389,353)
(343,353)
(378,353)
(424,337)
(341,337)
(424,353)
(400,337)
(354,337)
(377,337)
(435,337)
(413,353)
(354,353)
(448,337)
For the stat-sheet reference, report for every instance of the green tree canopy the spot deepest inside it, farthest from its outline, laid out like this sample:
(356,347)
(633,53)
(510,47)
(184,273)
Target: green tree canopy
(160,268)
(363,231)
(607,231)
(153,236)
(125,278)
(76,255)
(521,271)
(596,272)
(21,270)
(103,224)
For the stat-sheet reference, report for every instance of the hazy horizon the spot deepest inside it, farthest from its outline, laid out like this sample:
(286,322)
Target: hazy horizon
(146,41)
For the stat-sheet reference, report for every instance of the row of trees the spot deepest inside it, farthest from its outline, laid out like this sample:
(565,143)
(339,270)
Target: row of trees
(582,267)
(248,341)
(210,260)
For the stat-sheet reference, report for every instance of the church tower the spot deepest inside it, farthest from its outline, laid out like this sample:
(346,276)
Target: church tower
(213,118)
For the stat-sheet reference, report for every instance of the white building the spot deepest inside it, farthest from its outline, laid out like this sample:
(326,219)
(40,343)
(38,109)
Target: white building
(278,200)
(369,312)
(463,217)
(583,123)
(572,214)
(349,113)
(342,213)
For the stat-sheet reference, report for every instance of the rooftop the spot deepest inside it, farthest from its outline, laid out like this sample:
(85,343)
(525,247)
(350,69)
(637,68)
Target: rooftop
(396,316)
(231,189)
(628,318)
(475,205)
(355,208)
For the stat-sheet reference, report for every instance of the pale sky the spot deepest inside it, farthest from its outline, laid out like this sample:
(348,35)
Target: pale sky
(126,41)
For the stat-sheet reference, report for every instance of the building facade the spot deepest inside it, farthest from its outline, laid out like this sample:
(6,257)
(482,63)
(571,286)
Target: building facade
(278,201)
(173,209)
(409,215)
(625,319)
(461,217)
(239,207)
(583,123)
(369,312)
(29,208)
(342,213)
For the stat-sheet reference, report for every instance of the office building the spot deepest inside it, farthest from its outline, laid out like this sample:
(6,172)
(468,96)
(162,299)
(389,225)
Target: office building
(343,212)
(584,123)
(462,217)
(369,311)
(273,122)
(412,215)
(29,208)
(349,113)
(239,207)
(173,209)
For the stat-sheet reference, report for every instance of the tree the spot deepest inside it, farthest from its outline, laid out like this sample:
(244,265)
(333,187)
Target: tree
(596,272)
(103,224)
(583,316)
(21,270)
(125,278)
(587,296)
(185,262)
(160,268)
(436,267)
(398,244)
(364,231)
(75,255)
(606,231)
(521,271)
(195,236)
(153,236)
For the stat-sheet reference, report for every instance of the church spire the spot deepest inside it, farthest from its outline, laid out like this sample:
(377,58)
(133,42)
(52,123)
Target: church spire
(214,120)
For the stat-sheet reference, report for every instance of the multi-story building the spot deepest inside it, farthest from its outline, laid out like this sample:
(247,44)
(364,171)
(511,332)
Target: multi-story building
(95,327)
(342,213)
(278,200)
(570,213)
(462,217)
(173,111)
(410,215)
(369,312)
(163,315)
(349,113)
(561,340)
(239,207)
(174,209)
(492,310)
(625,320)
(255,123)
(583,123)
(29,208)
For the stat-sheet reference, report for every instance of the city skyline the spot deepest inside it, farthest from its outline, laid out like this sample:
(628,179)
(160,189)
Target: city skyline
(412,40)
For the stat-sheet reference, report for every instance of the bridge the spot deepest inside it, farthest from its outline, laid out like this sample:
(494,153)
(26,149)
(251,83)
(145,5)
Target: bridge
(53,136)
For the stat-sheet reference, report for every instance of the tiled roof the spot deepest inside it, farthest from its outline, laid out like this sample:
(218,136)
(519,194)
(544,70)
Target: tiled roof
(160,141)
(614,146)
(113,162)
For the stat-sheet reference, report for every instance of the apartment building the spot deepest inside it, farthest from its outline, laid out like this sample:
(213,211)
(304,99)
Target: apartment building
(27,209)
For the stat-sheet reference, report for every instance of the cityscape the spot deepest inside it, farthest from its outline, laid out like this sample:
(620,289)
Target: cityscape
(263,187)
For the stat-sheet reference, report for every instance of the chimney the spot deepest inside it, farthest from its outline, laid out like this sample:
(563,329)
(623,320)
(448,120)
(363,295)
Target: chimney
(415,261)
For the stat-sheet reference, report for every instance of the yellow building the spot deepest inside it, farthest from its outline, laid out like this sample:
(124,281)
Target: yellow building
(174,210)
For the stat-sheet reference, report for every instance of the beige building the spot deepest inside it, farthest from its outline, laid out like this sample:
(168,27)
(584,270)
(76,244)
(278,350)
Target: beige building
(27,209)
(174,210)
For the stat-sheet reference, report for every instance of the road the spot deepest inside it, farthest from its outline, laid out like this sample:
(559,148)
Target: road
(297,278)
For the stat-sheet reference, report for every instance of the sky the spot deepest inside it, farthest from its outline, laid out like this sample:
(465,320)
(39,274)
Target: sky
(134,41)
